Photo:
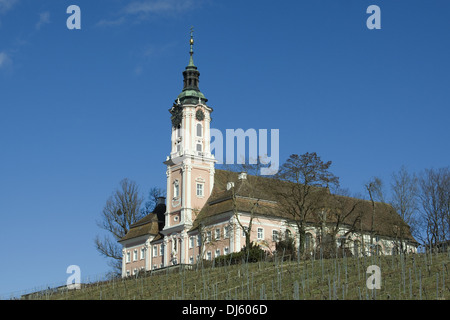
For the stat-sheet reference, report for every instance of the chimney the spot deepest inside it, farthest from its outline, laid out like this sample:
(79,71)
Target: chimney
(161,200)
(230,185)
(242,176)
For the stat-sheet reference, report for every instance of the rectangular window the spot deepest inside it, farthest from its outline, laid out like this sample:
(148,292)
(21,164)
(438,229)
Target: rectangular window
(208,255)
(142,253)
(217,234)
(199,240)
(226,232)
(208,236)
(199,189)
(191,259)
(260,233)
(161,249)
(217,253)
(226,250)
(274,235)
(155,251)
(191,242)
(244,229)
(128,256)
(135,255)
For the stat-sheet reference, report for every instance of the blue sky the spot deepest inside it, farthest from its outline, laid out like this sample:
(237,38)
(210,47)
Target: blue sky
(82,109)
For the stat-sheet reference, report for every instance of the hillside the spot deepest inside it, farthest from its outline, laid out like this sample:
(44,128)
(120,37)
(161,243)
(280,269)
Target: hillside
(415,276)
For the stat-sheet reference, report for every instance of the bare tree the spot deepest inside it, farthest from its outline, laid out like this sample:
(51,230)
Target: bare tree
(246,229)
(153,196)
(404,190)
(121,210)
(344,211)
(375,190)
(434,198)
(251,195)
(304,183)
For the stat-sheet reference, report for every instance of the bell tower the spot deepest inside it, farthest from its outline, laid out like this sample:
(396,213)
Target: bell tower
(190,165)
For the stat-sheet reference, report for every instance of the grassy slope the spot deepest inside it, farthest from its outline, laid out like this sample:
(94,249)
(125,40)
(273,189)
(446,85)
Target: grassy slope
(416,276)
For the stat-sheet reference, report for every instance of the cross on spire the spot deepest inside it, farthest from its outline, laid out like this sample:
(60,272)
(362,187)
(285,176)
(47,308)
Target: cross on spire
(191,52)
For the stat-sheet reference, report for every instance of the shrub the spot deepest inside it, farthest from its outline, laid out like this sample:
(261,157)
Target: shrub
(253,254)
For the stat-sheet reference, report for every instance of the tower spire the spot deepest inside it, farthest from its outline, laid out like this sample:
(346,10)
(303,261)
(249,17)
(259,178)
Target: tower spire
(191,92)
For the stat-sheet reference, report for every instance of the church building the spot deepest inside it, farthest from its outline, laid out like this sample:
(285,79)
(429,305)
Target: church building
(207,209)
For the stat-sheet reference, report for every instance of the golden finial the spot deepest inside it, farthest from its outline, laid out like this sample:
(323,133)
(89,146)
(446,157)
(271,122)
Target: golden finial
(192,36)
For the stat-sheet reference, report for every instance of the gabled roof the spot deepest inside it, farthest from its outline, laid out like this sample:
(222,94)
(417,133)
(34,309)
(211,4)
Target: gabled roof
(148,225)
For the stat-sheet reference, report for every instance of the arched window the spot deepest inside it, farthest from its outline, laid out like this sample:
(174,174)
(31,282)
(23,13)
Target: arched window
(199,130)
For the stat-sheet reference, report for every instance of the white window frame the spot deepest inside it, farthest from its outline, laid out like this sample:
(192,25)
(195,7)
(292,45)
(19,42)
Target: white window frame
(244,228)
(217,234)
(208,236)
(208,256)
(191,242)
(260,234)
(217,253)
(199,240)
(128,257)
(226,250)
(142,253)
(200,192)
(135,255)
(226,232)
(155,250)
(275,235)
(161,249)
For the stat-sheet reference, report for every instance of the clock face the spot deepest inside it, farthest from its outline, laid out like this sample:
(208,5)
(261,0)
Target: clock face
(199,115)
(177,115)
